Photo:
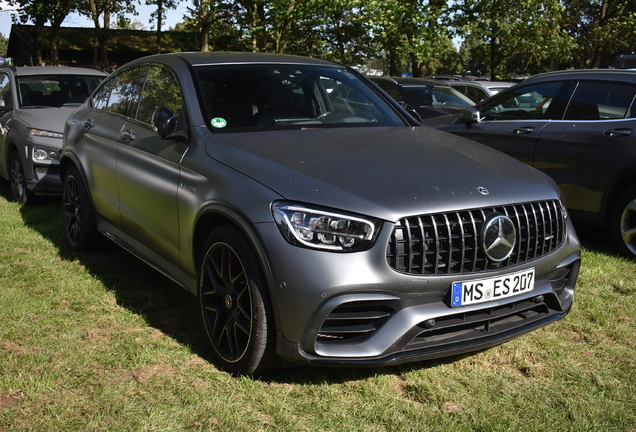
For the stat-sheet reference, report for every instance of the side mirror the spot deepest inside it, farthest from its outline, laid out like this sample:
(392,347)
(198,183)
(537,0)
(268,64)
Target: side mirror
(470,115)
(164,121)
(409,109)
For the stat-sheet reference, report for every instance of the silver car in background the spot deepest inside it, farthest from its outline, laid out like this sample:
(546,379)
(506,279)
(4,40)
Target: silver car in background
(315,221)
(34,105)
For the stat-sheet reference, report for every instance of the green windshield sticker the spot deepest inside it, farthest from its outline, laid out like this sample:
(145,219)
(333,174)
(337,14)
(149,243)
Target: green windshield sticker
(218,122)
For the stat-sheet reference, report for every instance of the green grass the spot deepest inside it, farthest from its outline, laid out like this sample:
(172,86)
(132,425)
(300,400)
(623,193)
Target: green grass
(102,342)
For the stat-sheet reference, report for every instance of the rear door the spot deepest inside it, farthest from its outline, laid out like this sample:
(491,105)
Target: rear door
(593,142)
(511,121)
(100,134)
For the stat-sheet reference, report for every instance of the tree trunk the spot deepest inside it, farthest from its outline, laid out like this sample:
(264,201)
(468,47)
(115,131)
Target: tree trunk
(103,40)
(62,8)
(206,25)
(38,32)
(283,34)
(159,23)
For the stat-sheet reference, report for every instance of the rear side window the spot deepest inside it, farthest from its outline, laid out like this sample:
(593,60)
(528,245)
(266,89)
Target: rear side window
(601,101)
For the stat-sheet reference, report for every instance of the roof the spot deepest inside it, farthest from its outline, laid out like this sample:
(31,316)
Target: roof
(411,81)
(231,57)
(54,70)
(628,75)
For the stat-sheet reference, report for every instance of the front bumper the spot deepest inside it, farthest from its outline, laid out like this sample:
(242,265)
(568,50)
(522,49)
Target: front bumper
(352,309)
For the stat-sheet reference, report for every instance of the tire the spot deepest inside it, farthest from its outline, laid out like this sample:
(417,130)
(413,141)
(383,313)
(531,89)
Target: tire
(78,215)
(623,223)
(17,181)
(234,304)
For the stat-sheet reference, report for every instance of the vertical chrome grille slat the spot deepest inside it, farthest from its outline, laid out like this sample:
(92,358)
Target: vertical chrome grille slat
(462,256)
(441,243)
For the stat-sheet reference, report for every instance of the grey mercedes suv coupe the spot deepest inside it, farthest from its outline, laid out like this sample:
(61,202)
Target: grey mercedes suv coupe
(313,218)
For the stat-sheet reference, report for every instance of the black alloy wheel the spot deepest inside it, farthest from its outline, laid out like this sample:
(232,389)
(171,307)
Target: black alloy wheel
(78,215)
(234,304)
(17,181)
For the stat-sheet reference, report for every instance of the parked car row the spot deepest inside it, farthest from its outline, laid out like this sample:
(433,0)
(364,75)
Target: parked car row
(477,91)
(311,215)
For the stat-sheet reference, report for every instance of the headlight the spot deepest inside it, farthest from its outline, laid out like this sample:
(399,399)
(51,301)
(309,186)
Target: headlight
(43,155)
(45,133)
(322,229)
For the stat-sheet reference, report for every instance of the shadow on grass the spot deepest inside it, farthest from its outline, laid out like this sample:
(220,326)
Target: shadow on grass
(172,310)
(596,239)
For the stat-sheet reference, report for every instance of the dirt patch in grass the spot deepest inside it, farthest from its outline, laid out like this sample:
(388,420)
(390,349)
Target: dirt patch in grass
(18,349)
(9,400)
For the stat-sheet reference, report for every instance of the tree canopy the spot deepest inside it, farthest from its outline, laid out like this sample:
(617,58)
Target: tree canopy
(499,38)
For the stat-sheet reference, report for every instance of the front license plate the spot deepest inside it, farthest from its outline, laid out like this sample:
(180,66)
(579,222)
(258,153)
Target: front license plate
(500,287)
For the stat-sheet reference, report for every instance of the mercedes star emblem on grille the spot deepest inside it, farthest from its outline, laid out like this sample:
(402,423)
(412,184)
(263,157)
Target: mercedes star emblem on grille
(498,237)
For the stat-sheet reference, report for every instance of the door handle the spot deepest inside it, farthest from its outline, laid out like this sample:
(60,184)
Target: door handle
(617,132)
(523,130)
(89,123)
(128,135)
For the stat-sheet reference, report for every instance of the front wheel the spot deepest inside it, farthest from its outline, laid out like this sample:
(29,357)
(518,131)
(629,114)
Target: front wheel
(17,181)
(234,304)
(623,223)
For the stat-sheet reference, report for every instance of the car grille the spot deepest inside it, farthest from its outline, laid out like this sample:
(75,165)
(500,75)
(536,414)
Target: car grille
(449,243)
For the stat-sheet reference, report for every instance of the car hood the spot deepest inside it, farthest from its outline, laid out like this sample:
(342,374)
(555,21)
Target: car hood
(384,172)
(49,118)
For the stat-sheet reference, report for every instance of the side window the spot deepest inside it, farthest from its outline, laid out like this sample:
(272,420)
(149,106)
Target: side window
(601,101)
(530,102)
(121,92)
(5,90)
(476,94)
(160,89)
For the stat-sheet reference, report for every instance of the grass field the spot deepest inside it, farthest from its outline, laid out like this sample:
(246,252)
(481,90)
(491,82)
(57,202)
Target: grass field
(102,342)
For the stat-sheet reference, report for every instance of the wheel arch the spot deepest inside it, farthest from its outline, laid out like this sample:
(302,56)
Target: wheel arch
(618,186)
(216,215)
(12,144)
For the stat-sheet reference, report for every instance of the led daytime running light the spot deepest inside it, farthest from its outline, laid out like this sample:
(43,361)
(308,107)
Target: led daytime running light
(320,229)
(45,133)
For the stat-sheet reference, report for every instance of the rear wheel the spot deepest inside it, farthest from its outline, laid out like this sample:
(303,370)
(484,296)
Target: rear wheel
(78,215)
(17,181)
(623,223)
(234,304)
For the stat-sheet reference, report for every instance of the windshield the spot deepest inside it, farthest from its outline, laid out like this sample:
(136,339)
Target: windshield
(432,95)
(263,96)
(56,90)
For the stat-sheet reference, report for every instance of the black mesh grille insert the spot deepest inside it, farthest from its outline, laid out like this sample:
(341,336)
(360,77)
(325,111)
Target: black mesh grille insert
(354,322)
(449,243)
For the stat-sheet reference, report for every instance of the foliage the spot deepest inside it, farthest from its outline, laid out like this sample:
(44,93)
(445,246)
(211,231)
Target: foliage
(509,37)
(4,42)
(500,38)
(602,28)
